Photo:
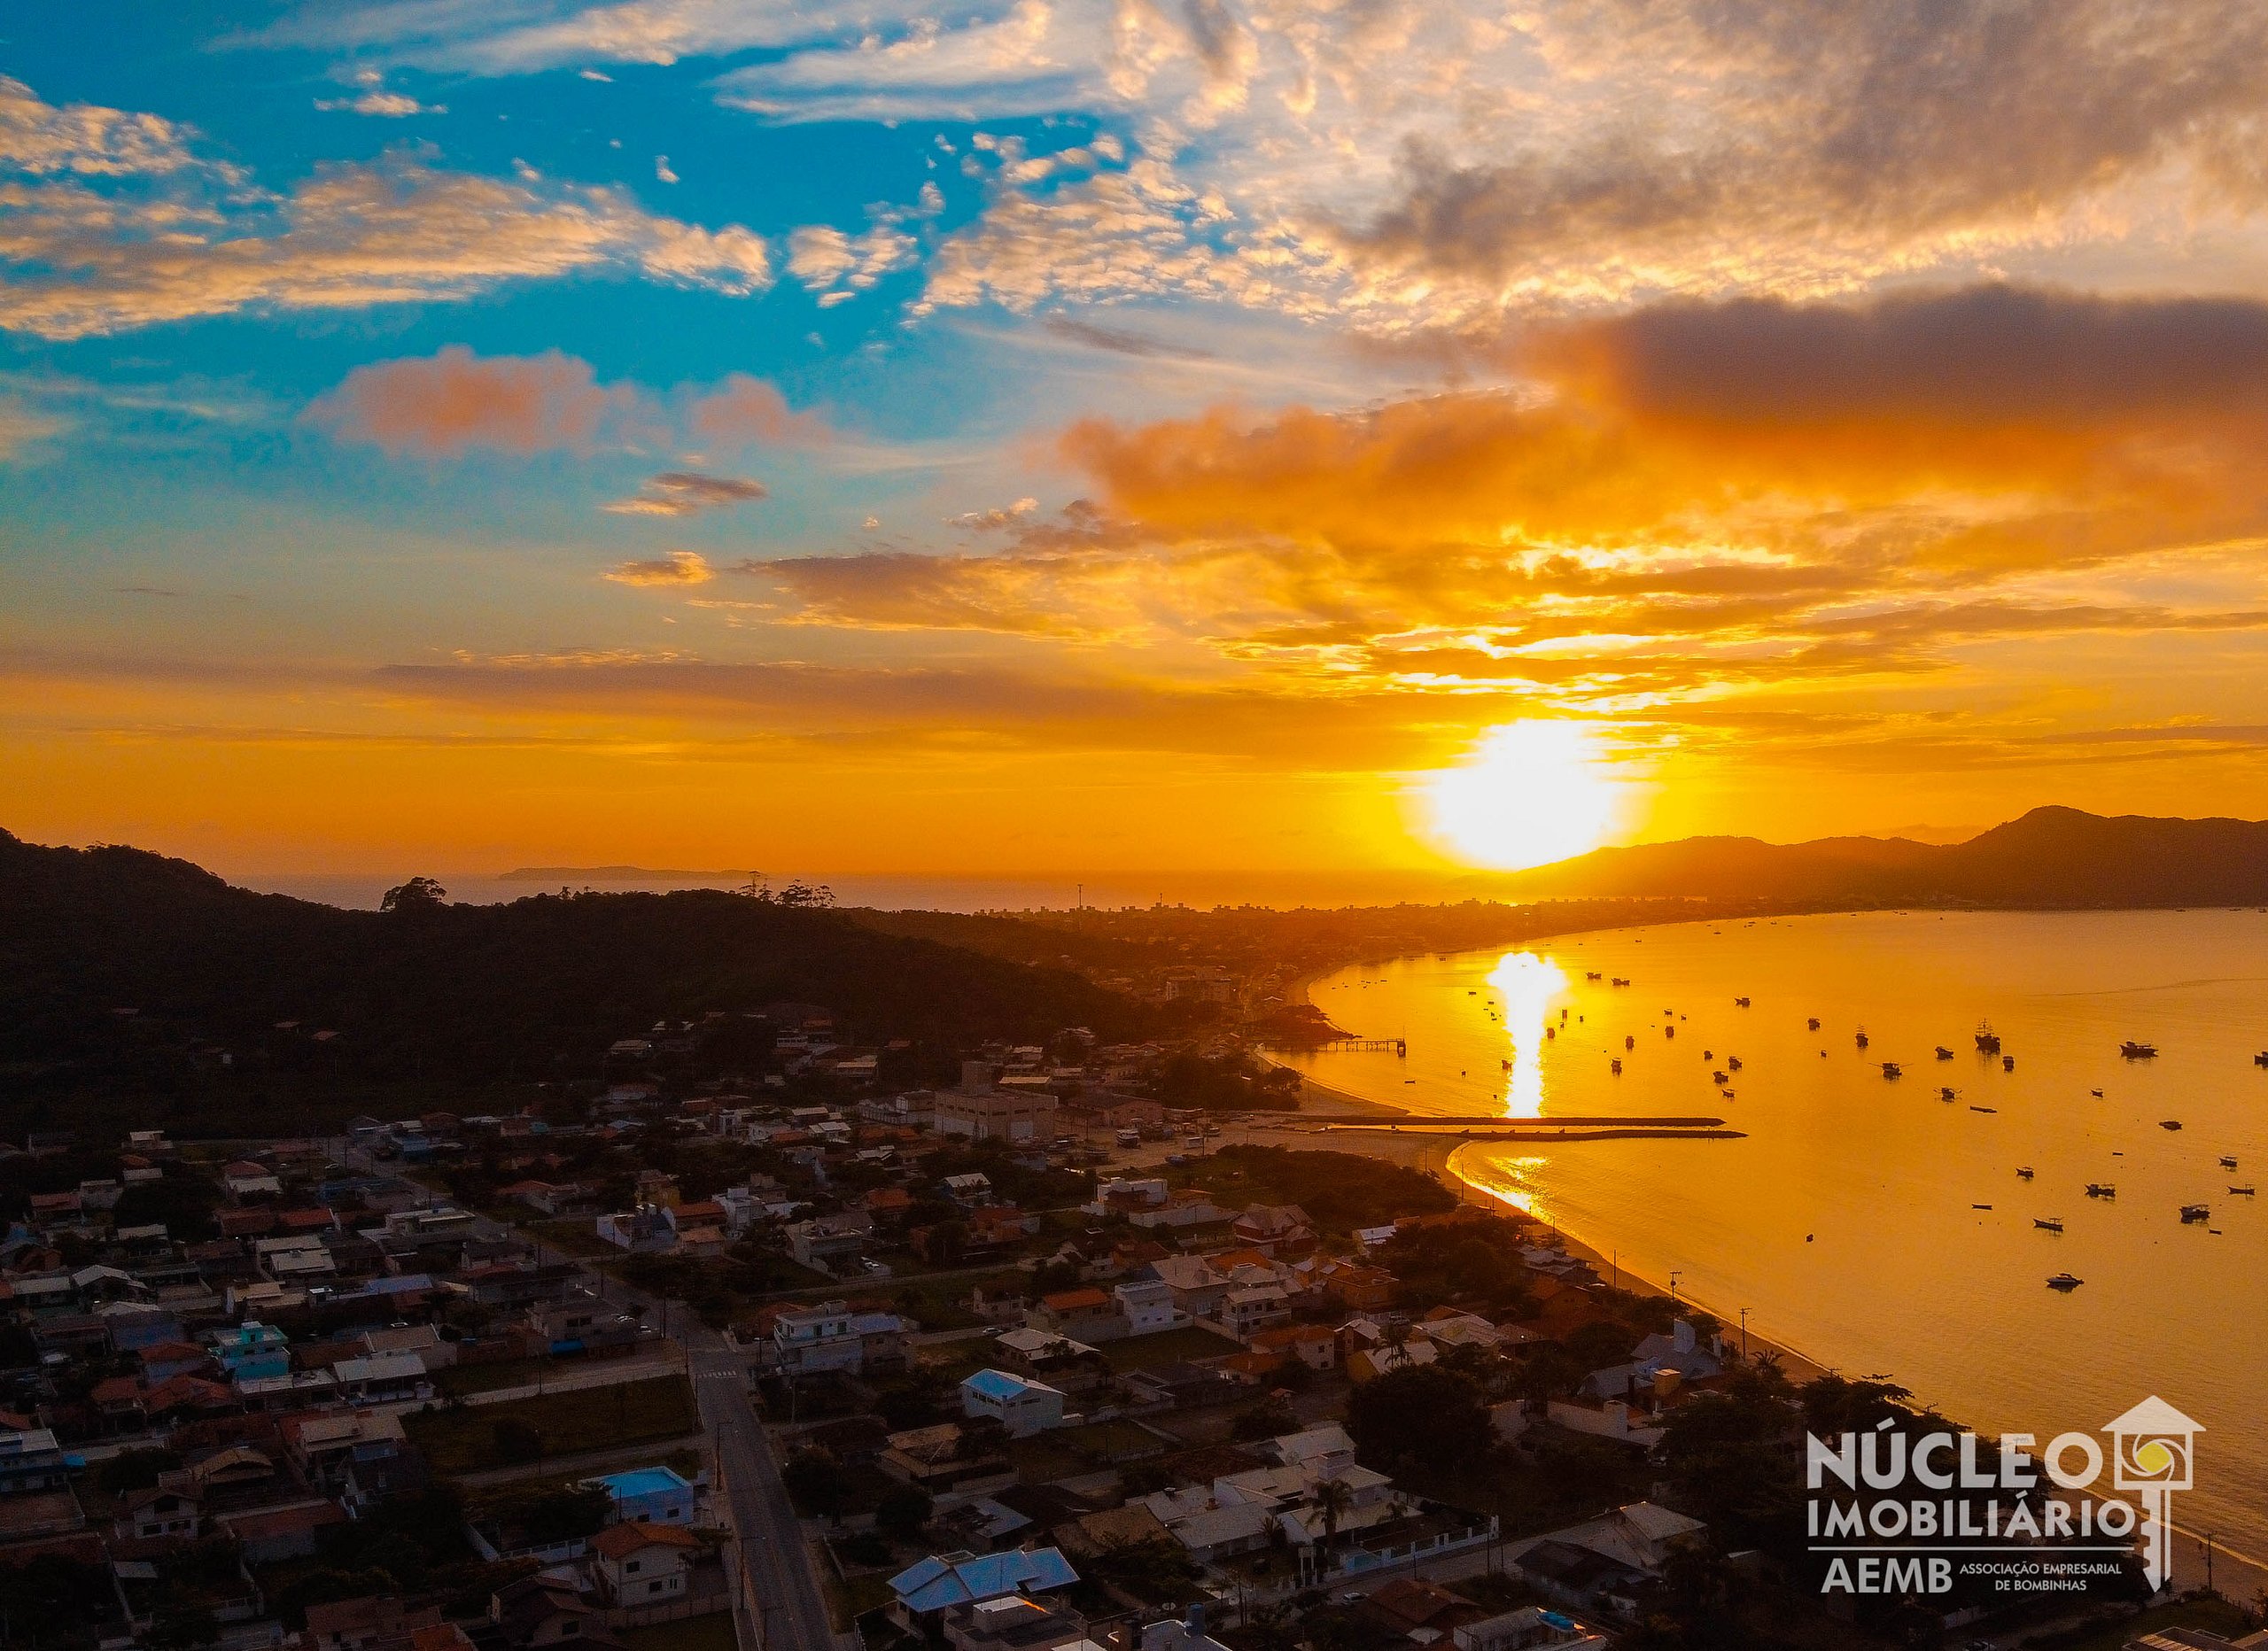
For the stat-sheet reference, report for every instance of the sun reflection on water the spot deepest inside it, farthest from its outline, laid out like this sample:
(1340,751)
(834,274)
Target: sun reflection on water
(1527,987)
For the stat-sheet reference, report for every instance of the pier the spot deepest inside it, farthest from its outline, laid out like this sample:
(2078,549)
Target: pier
(1357,1045)
(1429,1121)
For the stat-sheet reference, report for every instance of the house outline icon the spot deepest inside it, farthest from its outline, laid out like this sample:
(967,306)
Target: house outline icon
(2155,1423)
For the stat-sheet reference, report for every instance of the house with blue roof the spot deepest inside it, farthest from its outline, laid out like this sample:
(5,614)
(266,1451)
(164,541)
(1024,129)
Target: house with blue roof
(1018,1403)
(921,1593)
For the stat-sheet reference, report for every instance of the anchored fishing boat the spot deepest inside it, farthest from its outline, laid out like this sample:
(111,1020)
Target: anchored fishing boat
(2065,1282)
(2048,1224)
(1988,1040)
(2133,1050)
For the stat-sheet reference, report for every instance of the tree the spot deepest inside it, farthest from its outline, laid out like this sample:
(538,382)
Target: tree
(1271,1419)
(904,1510)
(419,894)
(134,1470)
(815,1479)
(182,1627)
(1332,1498)
(516,1440)
(1421,1414)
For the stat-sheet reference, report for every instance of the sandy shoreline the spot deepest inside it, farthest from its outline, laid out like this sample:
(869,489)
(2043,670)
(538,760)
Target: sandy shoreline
(1437,1154)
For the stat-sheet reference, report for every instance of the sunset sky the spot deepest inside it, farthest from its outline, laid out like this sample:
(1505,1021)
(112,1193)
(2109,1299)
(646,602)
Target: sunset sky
(1098,434)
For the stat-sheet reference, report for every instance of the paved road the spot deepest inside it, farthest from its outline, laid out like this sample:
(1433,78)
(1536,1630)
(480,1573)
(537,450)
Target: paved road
(790,1611)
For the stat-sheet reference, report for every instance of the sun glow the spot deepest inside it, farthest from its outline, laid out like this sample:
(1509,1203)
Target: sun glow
(1531,793)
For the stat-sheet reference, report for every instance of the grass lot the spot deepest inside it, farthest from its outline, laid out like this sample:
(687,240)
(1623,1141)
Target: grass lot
(712,1633)
(590,1418)
(1144,1352)
(457,1380)
(576,1238)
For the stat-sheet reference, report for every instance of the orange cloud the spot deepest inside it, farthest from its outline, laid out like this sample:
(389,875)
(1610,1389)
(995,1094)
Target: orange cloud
(447,404)
(679,567)
(745,409)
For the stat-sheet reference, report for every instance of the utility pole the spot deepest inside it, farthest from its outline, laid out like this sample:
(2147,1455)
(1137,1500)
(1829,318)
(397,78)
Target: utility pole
(1744,1335)
(1674,1273)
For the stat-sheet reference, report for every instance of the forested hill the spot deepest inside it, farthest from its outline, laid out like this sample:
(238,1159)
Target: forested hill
(2051,857)
(532,988)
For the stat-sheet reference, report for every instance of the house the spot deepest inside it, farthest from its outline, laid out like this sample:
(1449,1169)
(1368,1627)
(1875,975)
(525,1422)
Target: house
(1641,1535)
(360,1624)
(1123,1194)
(583,1323)
(645,1230)
(1189,1207)
(1530,1628)
(1244,1311)
(271,1535)
(657,1495)
(1212,1526)
(1196,1288)
(1013,1623)
(969,1189)
(1317,1452)
(830,1336)
(921,1593)
(31,1460)
(253,1350)
(333,1449)
(831,1243)
(1609,1419)
(1274,1228)
(944,1458)
(540,1610)
(424,1340)
(1579,1578)
(1071,1366)
(1314,1345)
(1148,1307)
(245,1180)
(1086,1314)
(641,1564)
(1018,1403)
(161,1513)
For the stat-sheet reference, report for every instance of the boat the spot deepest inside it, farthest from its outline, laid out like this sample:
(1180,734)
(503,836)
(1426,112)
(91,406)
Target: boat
(1717,1078)
(1944,1053)
(2065,1282)
(1947,1094)
(2101,1190)
(2047,1223)
(2169,1123)
(2227,1161)
(1629,1042)
(1732,1063)
(1618,980)
(1593,974)
(2260,1060)
(1862,1037)
(1980,1206)
(2008,1063)
(2133,1050)
(1892,1069)
(1988,1040)
(1812,1025)
(1669,1031)
(2245,1191)
(2193,1213)
(1615,1066)
(1983,1109)
(2024,1172)
(2096,1093)
(1740,1002)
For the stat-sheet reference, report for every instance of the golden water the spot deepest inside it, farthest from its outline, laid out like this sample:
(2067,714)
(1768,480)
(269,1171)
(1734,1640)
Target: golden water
(1844,1221)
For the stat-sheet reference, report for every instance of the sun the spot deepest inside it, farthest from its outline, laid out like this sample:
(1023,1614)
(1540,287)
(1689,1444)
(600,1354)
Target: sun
(1530,793)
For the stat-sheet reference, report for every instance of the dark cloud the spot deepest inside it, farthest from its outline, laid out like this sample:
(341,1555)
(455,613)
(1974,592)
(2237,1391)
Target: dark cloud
(1987,354)
(689,492)
(1848,122)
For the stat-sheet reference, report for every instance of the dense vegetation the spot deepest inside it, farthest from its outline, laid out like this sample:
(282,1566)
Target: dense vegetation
(120,969)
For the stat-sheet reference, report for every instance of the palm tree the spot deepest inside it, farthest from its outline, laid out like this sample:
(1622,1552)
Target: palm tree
(1332,1498)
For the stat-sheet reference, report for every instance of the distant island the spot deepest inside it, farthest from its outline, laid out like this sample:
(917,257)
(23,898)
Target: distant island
(548,875)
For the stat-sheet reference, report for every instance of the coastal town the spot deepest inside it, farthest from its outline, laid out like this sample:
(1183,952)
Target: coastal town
(739,1343)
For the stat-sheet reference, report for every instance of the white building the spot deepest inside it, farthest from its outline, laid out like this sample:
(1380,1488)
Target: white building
(1148,1307)
(830,1336)
(1018,1403)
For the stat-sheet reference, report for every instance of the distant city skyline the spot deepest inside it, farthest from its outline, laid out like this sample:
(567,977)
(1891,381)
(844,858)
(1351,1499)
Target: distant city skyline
(1061,439)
